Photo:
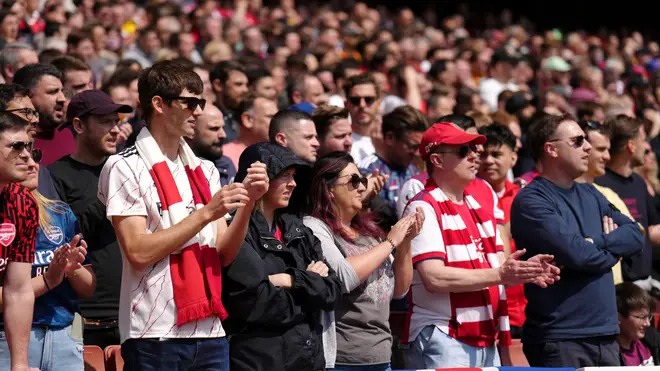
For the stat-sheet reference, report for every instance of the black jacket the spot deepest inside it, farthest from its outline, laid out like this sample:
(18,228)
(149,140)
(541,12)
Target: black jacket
(272,328)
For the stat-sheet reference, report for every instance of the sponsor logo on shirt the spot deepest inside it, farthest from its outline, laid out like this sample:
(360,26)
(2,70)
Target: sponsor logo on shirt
(7,234)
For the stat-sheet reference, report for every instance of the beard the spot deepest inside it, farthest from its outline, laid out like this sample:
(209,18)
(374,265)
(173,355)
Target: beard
(211,153)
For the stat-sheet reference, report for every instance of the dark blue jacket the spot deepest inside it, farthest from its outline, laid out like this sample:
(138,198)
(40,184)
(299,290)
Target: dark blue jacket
(547,219)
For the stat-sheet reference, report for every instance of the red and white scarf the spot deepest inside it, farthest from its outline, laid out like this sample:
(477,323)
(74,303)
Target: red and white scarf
(195,268)
(461,252)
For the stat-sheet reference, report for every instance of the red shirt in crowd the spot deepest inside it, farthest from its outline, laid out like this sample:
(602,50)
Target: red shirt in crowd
(515,295)
(19,221)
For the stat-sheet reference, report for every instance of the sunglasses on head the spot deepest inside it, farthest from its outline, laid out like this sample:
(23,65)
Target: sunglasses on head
(463,151)
(355,181)
(191,102)
(590,124)
(354,100)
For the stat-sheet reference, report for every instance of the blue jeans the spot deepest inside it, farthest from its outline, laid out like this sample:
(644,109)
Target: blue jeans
(50,349)
(434,349)
(176,354)
(383,367)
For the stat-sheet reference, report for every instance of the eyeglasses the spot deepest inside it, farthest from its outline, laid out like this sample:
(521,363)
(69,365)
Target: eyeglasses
(357,100)
(463,151)
(29,114)
(355,181)
(577,140)
(191,102)
(649,317)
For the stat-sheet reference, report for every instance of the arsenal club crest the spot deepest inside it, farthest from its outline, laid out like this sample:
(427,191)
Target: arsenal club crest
(7,234)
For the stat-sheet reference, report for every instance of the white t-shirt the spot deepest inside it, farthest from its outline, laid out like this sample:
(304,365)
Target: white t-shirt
(146,302)
(490,89)
(363,147)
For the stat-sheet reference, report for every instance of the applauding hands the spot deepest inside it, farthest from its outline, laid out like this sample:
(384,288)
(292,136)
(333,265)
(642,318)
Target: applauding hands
(67,258)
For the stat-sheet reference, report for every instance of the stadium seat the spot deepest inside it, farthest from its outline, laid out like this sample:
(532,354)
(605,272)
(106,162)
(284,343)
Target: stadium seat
(113,360)
(656,319)
(517,356)
(94,358)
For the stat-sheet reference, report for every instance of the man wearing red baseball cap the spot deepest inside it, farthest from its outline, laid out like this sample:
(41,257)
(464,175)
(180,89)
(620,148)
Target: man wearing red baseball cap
(459,306)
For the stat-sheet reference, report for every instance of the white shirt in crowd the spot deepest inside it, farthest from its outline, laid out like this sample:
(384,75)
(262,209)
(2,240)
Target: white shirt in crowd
(490,89)
(146,304)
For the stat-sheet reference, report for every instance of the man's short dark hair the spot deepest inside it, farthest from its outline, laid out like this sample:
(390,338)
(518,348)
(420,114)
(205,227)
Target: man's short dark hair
(10,121)
(9,92)
(361,79)
(222,70)
(541,131)
(75,38)
(256,74)
(124,77)
(498,135)
(66,63)
(403,120)
(166,79)
(30,75)
(283,120)
(462,121)
(325,116)
(589,126)
(46,56)
(630,297)
(587,109)
(622,129)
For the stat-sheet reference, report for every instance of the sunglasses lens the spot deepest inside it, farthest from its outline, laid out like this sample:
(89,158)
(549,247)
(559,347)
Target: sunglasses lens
(354,100)
(19,146)
(202,103)
(36,155)
(355,181)
(364,181)
(369,100)
(579,141)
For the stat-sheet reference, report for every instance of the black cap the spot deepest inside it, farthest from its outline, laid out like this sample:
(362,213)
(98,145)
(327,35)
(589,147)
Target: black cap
(93,102)
(516,103)
(276,158)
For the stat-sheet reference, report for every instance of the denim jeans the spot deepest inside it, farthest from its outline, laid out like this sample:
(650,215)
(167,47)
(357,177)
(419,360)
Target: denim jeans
(50,349)
(176,354)
(434,349)
(383,367)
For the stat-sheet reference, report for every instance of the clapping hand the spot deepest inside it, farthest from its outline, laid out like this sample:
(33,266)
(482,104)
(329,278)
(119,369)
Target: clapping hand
(550,273)
(66,258)
(376,183)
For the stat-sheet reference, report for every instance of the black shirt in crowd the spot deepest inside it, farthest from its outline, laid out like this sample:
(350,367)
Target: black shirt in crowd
(632,191)
(77,185)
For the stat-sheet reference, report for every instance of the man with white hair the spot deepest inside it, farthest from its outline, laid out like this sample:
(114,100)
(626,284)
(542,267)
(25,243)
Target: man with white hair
(13,57)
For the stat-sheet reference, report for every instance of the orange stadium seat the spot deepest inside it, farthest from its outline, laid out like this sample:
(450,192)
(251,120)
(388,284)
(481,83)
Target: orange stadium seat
(113,360)
(94,358)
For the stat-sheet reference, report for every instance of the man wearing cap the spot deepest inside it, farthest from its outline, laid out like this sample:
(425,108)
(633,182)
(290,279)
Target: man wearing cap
(93,119)
(459,308)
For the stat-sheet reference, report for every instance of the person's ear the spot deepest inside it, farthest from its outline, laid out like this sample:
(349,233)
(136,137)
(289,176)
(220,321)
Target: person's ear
(78,126)
(280,138)
(514,158)
(158,104)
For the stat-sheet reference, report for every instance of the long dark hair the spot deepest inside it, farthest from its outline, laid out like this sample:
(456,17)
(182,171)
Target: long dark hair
(324,175)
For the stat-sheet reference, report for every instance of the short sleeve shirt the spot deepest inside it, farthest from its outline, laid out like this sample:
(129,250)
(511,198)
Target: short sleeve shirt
(19,222)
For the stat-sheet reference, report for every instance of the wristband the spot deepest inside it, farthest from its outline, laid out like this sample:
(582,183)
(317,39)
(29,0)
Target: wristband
(391,243)
(45,281)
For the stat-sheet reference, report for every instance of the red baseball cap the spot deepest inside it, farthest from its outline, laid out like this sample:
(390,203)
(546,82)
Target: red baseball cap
(446,133)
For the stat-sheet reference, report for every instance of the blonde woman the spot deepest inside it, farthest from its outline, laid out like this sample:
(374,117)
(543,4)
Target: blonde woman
(60,276)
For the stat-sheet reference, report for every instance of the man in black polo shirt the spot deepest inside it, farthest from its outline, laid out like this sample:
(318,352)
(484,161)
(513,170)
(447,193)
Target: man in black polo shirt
(628,143)
(92,117)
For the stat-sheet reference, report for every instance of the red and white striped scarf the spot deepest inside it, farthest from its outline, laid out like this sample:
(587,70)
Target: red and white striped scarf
(195,268)
(477,324)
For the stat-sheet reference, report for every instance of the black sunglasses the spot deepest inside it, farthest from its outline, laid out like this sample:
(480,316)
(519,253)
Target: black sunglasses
(21,146)
(29,113)
(191,102)
(357,100)
(463,151)
(355,181)
(578,140)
